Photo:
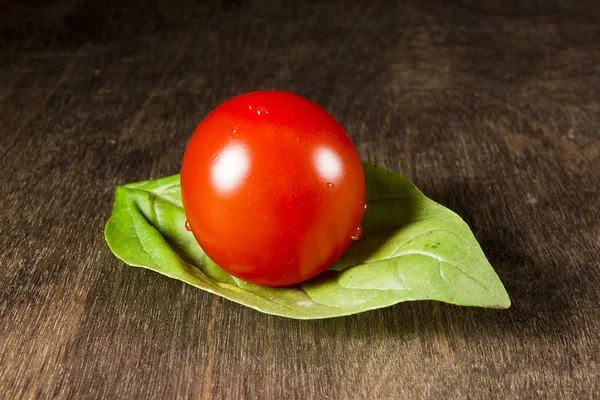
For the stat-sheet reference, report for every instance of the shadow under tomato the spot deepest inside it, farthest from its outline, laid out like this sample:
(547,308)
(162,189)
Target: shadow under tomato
(535,282)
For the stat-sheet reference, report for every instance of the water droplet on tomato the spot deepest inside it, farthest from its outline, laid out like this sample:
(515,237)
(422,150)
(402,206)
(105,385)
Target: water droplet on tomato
(330,184)
(249,107)
(365,206)
(358,234)
(187,226)
(262,110)
(235,131)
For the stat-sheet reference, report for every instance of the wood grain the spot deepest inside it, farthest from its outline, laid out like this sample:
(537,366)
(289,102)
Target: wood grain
(491,107)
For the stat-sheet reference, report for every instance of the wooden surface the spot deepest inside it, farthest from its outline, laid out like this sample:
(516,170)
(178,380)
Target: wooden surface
(492,108)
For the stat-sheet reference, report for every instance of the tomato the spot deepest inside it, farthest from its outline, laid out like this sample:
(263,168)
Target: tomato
(272,187)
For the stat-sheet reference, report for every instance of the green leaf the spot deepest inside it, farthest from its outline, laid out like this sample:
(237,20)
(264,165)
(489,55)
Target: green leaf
(412,249)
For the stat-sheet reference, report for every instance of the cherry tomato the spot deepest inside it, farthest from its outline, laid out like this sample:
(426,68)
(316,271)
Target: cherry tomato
(273,189)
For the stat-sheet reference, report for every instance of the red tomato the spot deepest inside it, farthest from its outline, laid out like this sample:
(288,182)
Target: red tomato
(273,189)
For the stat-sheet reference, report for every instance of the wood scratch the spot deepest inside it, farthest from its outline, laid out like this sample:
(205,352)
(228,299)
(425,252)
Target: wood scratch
(442,335)
(407,150)
(8,148)
(46,56)
(61,80)
(137,118)
(466,157)
(208,372)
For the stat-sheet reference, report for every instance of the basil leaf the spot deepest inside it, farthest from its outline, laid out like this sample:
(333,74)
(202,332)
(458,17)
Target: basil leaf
(412,249)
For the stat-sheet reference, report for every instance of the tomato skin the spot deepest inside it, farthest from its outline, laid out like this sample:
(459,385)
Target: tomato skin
(272,188)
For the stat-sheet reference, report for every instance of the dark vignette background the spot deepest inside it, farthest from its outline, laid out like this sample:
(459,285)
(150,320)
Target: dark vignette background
(491,107)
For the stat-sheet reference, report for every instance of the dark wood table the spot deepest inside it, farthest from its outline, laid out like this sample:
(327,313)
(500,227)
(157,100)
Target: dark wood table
(491,107)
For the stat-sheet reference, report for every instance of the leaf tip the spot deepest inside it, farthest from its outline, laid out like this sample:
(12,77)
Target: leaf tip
(506,304)
(503,302)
